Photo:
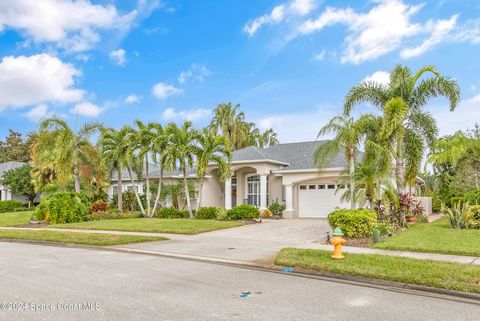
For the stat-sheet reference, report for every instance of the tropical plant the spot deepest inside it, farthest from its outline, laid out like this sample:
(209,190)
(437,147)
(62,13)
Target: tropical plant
(114,153)
(160,142)
(69,149)
(63,207)
(348,136)
(459,216)
(277,208)
(180,153)
(211,150)
(266,139)
(406,128)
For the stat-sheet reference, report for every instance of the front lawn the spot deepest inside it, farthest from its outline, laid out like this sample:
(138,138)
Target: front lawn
(75,238)
(15,218)
(175,226)
(435,237)
(446,275)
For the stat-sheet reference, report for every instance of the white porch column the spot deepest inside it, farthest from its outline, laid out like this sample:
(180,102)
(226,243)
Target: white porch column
(289,197)
(263,192)
(228,193)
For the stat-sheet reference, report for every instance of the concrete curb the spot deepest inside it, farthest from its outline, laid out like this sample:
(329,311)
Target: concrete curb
(420,290)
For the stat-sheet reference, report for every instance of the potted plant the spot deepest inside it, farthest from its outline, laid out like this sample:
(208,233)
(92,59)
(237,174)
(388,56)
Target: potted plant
(277,209)
(410,216)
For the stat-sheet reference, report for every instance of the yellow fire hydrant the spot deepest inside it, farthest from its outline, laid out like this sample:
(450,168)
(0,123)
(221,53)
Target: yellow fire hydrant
(337,241)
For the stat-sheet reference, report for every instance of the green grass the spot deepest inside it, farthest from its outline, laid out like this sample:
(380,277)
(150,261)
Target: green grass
(176,226)
(436,237)
(446,275)
(15,218)
(75,238)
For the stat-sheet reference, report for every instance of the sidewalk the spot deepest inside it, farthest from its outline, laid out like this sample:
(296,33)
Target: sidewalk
(414,255)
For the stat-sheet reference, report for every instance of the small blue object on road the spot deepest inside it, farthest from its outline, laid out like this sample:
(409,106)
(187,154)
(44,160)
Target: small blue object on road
(244,295)
(287,270)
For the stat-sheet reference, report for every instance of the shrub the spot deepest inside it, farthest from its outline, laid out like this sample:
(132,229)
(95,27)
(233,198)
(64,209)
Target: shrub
(99,206)
(63,207)
(456,199)
(222,214)
(243,212)
(354,223)
(111,214)
(266,213)
(436,204)
(385,228)
(276,208)
(170,212)
(10,206)
(472,197)
(206,213)
(475,210)
(460,216)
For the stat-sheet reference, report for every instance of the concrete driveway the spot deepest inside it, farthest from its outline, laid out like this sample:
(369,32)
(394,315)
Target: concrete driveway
(258,243)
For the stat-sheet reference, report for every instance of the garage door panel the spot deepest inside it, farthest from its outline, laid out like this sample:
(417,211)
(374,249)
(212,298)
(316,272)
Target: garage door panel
(318,202)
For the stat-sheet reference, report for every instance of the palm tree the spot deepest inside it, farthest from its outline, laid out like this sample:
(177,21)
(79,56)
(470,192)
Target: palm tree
(405,123)
(180,152)
(159,144)
(143,139)
(114,151)
(70,148)
(212,149)
(267,138)
(348,136)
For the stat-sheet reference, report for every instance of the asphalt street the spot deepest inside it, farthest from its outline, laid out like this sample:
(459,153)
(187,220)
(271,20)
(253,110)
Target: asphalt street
(40,282)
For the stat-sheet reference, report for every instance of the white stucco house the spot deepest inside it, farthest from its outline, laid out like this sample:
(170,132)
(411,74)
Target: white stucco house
(285,173)
(5,193)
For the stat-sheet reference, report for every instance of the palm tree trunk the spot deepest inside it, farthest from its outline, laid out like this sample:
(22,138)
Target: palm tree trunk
(199,199)
(76,177)
(351,158)
(135,190)
(159,190)
(119,189)
(399,165)
(187,193)
(147,177)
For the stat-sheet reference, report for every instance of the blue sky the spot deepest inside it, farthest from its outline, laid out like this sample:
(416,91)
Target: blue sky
(288,63)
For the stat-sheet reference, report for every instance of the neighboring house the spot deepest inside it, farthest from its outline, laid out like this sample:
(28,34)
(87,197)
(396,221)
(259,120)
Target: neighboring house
(5,193)
(285,173)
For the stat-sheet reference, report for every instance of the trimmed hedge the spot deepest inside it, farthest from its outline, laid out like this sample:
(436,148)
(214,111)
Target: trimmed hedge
(112,214)
(170,212)
(206,213)
(243,212)
(354,223)
(63,207)
(10,206)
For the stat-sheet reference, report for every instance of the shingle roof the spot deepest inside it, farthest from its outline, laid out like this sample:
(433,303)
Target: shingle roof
(297,155)
(8,166)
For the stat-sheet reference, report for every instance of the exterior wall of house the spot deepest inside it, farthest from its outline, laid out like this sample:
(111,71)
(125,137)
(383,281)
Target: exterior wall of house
(213,191)
(275,189)
(6,195)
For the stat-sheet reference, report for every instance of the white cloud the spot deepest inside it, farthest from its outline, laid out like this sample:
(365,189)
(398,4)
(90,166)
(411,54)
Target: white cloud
(31,80)
(170,114)
(118,56)
(163,90)
(132,98)
(86,109)
(438,31)
(321,55)
(72,25)
(196,71)
(37,113)
(469,32)
(297,127)
(380,77)
(279,14)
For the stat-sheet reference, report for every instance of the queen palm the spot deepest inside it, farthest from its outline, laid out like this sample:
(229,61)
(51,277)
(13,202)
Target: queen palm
(348,136)
(405,123)
(114,152)
(180,152)
(211,149)
(267,138)
(229,121)
(70,149)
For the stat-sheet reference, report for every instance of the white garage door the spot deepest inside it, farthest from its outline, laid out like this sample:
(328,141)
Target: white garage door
(318,200)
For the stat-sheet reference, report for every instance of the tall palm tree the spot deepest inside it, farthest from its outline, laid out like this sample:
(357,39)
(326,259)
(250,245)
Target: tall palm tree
(405,121)
(180,152)
(228,121)
(70,149)
(159,144)
(143,139)
(113,149)
(212,149)
(267,138)
(348,136)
